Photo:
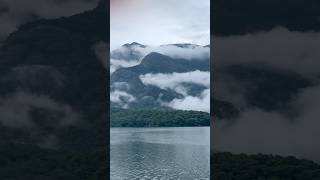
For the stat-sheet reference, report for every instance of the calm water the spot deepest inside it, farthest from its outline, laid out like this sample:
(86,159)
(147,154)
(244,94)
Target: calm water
(160,153)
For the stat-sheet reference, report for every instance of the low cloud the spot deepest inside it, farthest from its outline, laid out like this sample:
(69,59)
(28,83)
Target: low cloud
(133,55)
(195,103)
(37,118)
(121,98)
(16,111)
(279,47)
(188,51)
(193,86)
(177,82)
(273,132)
(118,63)
(282,132)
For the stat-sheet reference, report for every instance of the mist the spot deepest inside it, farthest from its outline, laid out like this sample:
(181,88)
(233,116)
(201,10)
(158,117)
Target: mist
(289,131)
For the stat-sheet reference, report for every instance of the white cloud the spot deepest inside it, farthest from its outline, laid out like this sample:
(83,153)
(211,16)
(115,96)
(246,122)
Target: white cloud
(175,81)
(193,52)
(200,103)
(122,98)
(190,53)
(118,63)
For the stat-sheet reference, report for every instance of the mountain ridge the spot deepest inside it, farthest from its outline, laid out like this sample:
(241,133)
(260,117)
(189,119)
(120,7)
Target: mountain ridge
(153,63)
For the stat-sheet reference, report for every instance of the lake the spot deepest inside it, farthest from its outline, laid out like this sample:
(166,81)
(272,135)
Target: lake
(160,153)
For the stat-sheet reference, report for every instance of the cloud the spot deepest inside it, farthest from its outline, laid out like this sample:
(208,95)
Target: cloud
(178,21)
(37,118)
(19,12)
(279,47)
(118,63)
(271,132)
(258,131)
(121,86)
(177,82)
(16,111)
(190,52)
(282,132)
(195,103)
(121,98)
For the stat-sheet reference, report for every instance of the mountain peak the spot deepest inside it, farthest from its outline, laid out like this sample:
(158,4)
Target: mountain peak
(154,54)
(134,44)
(157,59)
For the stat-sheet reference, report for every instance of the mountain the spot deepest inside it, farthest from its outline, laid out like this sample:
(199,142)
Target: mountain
(55,60)
(51,104)
(135,51)
(128,79)
(128,52)
(256,86)
(131,92)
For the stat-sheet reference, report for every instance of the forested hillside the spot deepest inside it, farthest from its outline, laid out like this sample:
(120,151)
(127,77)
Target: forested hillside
(158,118)
(227,166)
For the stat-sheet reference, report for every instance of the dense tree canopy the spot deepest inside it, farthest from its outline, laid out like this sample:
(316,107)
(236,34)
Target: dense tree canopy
(158,118)
(34,163)
(227,166)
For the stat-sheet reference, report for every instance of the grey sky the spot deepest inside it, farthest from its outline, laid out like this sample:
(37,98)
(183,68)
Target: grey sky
(160,22)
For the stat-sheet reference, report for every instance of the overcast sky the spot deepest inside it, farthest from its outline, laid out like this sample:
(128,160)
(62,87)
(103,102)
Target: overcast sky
(160,22)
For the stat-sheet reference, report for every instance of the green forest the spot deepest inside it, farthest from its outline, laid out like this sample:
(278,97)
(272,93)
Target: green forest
(158,118)
(44,164)
(227,166)
(29,162)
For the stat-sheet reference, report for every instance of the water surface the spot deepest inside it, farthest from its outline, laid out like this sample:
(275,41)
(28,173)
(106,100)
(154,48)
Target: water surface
(160,153)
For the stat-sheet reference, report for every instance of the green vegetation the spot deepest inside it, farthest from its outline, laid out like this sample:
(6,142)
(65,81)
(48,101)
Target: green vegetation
(227,166)
(158,118)
(29,162)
